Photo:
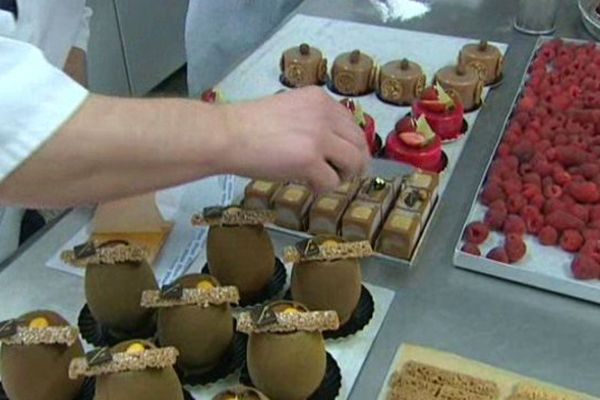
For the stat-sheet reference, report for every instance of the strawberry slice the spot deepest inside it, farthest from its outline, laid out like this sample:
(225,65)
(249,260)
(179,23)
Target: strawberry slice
(412,139)
(434,105)
(406,124)
(429,94)
(209,96)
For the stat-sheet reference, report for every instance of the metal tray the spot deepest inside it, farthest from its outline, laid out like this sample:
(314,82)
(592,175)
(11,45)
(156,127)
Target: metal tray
(258,75)
(543,267)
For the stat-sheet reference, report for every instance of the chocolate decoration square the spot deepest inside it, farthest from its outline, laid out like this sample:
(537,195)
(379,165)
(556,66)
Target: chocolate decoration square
(99,356)
(291,205)
(399,234)
(308,248)
(84,250)
(173,291)
(8,328)
(214,212)
(361,220)
(258,194)
(263,316)
(326,213)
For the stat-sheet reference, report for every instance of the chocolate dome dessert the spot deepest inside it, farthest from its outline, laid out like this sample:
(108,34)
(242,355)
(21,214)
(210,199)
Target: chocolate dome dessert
(463,82)
(303,66)
(354,74)
(327,283)
(401,82)
(485,58)
(240,393)
(239,249)
(115,277)
(35,356)
(194,316)
(134,369)
(286,349)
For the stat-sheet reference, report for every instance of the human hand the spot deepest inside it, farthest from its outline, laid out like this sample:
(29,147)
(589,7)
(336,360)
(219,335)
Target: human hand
(302,135)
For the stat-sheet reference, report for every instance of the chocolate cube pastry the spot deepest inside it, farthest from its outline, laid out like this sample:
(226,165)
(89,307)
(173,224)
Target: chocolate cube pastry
(259,194)
(377,190)
(303,66)
(325,215)
(423,180)
(416,200)
(349,188)
(399,234)
(361,221)
(291,204)
(401,82)
(485,58)
(463,83)
(354,74)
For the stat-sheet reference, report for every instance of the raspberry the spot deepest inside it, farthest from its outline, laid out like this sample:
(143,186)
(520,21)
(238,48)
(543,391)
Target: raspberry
(527,103)
(530,190)
(492,192)
(571,240)
(589,234)
(515,247)
(525,168)
(548,236)
(512,186)
(533,219)
(471,249)
(543,168)
(515,202)
(584,192)
(538,201)
(495,217)
(561,220)
(512,162)
(591,248)
(595,212)
(552,191)
(498,205)
(532,178)
(503,150)
(595,224)
(498,254)
(514,224)
(476,232)
(581,212)
(585,267)
(523,150)
(590,170)
(560,176)
(571,155)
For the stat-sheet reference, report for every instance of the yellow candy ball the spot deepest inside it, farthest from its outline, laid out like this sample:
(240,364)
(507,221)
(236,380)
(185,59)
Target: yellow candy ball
(205,285)
(290,310)
(39,323)
(135,348)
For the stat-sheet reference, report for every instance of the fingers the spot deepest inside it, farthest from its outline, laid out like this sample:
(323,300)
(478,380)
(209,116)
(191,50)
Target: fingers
(345,158)
(323,178)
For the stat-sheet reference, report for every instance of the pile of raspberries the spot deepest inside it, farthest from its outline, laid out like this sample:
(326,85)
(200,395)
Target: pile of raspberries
(545,178)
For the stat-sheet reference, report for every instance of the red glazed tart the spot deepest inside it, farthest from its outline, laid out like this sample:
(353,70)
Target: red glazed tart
(443,112)
(414,142)
(365,121)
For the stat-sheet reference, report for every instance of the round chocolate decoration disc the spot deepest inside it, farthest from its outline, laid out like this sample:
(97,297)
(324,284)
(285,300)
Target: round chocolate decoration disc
(99,336)
(273,288)
(330,386)
(87,390)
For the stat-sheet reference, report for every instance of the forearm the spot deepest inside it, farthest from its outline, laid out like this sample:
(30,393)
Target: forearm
(116,147)
(76,66)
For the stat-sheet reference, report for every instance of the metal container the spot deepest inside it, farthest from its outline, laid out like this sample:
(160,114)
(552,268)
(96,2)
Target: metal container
(536,17)
(589,16)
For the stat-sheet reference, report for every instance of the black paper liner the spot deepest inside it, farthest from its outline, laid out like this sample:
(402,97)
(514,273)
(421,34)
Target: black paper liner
(99,336)
(234,359)
(330,386)
(391,103)
(379,148)
(87,390)
(285,83)
(360,318)
(271,291)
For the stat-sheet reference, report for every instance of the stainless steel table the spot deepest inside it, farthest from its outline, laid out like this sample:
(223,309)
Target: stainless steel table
(526,330)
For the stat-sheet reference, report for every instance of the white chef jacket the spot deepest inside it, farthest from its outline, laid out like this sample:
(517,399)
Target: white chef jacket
(36,97)
(221,32)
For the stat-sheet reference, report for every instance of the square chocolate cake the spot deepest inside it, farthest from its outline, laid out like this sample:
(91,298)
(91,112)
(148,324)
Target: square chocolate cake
(326,214)
(415,200)
(259,194)
(399,234)
(291,204)
(377,190)
(424,180)
(361,220)
(349,188)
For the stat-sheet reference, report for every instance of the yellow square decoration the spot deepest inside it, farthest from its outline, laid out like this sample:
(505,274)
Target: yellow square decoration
(361,212)
(328,203)
(293,194)
(262,186)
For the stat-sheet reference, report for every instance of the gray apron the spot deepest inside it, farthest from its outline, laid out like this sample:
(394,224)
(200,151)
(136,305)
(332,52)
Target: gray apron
(220,33)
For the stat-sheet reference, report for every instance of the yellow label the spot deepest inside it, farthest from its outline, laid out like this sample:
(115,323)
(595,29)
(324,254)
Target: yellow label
(328,203)
(401,221)
(262,186)
(293,194)
(291,310)
(39,323)
(205,285)
(361,212)
(135,348)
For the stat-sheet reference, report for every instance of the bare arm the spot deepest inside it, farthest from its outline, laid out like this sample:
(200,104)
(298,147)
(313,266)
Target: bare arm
(115,147)
(76,66)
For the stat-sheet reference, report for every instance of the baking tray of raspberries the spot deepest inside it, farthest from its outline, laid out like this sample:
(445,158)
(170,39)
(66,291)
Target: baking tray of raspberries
(536,217)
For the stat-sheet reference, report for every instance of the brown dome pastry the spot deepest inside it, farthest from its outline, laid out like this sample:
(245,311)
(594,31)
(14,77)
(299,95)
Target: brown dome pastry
(279,332)
(333,282)
(36,351)
(303,66)
(194,316)
(401,82)
(485,58)
(239,249)
(116,274)
(354,74)
(463,82)
(135,369)
(241,393)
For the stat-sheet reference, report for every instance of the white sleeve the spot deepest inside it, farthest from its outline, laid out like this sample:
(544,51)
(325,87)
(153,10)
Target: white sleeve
(35,100)
(83,32)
